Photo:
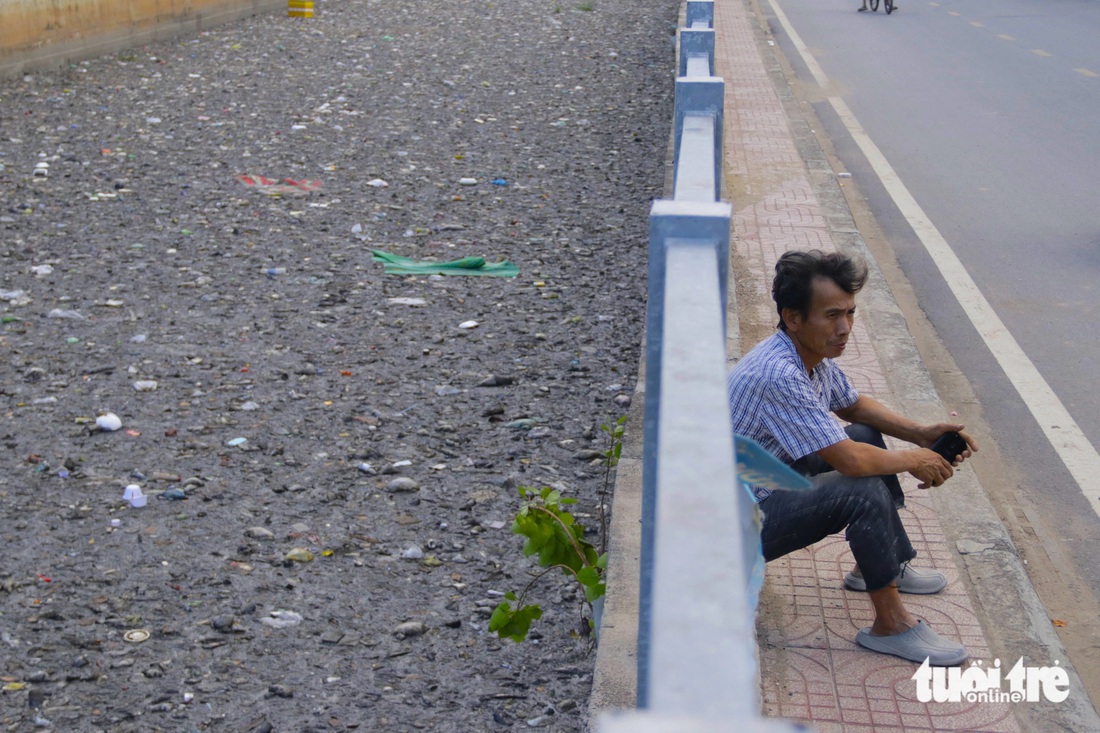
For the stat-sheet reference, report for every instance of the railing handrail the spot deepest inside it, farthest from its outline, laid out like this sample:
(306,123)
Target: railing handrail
(696,640)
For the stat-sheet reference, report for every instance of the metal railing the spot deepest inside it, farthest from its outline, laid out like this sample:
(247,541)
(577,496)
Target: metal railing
(696,639)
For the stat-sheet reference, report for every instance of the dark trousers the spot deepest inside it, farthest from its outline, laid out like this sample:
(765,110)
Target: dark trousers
(865,509)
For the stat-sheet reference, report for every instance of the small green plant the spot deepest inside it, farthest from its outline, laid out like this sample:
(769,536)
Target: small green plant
(586,7)
(611,460)
(555,536)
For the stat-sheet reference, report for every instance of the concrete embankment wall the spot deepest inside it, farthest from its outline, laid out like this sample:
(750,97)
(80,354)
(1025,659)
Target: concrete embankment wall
(40,34)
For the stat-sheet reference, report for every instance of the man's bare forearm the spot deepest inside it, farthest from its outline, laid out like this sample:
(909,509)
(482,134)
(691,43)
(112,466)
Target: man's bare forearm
(869,411)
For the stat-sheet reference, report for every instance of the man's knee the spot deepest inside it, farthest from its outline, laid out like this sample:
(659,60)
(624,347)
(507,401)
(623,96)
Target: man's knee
(865,434)
(853,497)
(872,491)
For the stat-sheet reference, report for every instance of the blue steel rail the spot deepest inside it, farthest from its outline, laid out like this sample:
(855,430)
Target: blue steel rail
(696,640)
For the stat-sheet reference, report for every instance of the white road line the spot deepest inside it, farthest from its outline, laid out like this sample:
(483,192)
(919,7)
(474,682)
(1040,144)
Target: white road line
(807,57)
(1063,432)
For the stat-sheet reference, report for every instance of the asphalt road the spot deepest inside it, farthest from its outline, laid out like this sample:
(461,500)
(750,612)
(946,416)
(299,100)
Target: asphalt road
(990,115)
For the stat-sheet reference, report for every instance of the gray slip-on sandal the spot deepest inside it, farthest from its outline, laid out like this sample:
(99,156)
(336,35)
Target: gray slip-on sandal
(916,645)
(909,580)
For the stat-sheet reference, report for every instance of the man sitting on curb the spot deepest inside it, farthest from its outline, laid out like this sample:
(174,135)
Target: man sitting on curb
(783,394)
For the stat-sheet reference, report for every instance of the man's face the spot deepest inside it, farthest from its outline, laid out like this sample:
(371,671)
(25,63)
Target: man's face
(823,332)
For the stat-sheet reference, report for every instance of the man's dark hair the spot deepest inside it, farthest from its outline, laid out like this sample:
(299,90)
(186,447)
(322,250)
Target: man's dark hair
(795,273)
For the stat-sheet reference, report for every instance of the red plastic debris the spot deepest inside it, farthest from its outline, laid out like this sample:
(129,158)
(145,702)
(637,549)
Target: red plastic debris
(275,187)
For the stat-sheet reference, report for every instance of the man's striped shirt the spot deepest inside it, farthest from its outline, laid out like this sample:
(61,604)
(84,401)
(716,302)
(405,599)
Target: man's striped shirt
(787,411)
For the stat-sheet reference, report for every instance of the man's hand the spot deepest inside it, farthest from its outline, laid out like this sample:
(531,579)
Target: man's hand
(931,470)
(929,434)
(869,411)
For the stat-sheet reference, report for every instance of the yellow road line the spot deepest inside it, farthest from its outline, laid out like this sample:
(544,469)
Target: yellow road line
(1006,37)
(1041,52)
(1086,72)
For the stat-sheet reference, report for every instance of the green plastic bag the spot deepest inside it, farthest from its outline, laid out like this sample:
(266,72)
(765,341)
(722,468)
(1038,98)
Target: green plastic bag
(398,265)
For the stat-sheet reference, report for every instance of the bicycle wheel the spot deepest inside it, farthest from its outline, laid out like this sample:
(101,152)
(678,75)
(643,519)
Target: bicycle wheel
(874,5)
(889,6)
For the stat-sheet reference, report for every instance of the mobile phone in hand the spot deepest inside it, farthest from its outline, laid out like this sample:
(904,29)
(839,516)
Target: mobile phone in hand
(950,445)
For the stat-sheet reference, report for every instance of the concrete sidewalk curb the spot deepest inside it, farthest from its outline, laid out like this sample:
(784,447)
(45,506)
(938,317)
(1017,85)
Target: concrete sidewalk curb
(615,678)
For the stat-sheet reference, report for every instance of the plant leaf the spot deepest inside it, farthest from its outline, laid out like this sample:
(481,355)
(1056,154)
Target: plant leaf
(588,576)
(513,624)
(593,592)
